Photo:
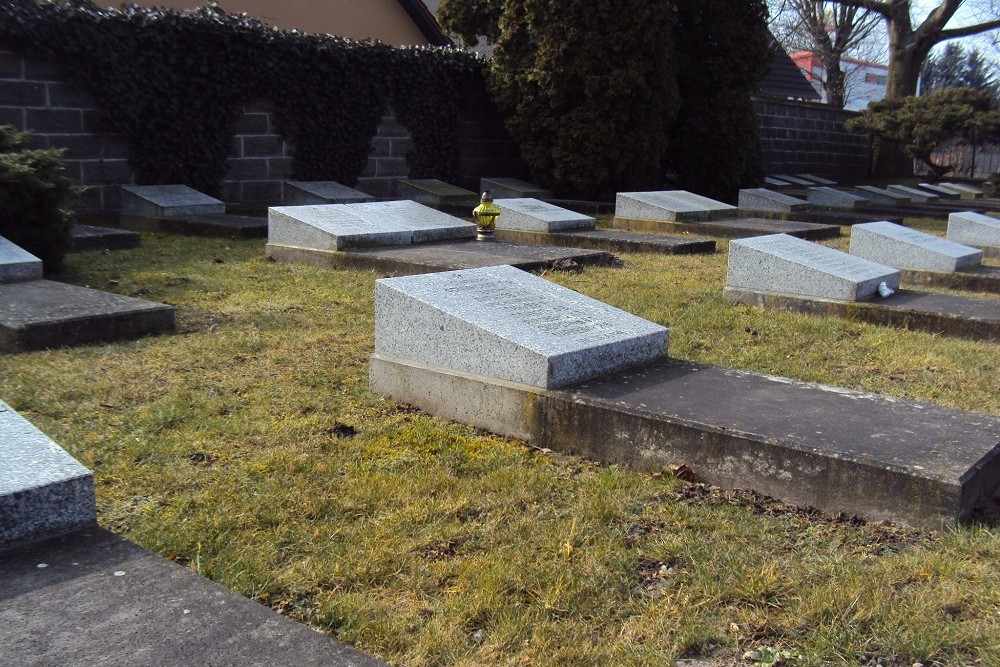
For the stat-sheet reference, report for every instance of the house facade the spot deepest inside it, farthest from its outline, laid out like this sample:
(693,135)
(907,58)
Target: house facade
(395,22)
(865,81)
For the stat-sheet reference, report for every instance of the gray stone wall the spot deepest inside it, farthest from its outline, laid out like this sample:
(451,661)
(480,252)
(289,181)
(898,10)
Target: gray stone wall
(798,137)
(36,95)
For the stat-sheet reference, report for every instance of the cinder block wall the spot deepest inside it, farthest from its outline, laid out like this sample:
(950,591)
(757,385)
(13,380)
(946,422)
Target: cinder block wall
(802,137)
(36,95)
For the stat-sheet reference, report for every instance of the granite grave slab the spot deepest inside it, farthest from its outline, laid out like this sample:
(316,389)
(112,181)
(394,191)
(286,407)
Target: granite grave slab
(914,194)
(436,192)
(530,214)
(943,193)
(788,265)
(424,223)
(975,229)
(904,248)
(513,188)
(964,191)
(17,264)
(303,193)
(795,180)
(43,490)
(167,201)
(507,324)
(330,227)
(880,196)
(819,180)
(669,206)
(762,199)
(776,182)
(832,198)
(40,314)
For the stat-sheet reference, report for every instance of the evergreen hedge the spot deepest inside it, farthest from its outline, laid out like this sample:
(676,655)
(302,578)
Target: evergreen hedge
(608,95)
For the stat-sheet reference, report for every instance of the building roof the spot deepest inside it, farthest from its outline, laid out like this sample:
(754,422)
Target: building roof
(423,16)
(784,79)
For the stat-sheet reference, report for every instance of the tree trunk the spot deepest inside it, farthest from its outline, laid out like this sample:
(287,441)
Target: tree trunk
(890,161)
(835,84)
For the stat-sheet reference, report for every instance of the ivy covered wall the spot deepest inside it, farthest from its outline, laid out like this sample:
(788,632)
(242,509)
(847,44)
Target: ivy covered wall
(209,99)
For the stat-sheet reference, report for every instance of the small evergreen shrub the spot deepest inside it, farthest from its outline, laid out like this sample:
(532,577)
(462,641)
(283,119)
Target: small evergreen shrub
(33,196)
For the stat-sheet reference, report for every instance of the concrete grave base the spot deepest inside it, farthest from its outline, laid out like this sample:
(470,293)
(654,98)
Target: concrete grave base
(89,237)
(980,279)
(975,319)
(737,228)
(218,224)
(835,449)
(430,257)
(611,241)
(41,314)
(101,600)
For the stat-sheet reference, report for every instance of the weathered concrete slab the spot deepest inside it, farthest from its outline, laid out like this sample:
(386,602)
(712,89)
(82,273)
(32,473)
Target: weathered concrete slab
(839,450)
(513,188)
(819,180)
(43,490)
(787,265)
(424,223)
(914,194)
(101,600)
(613,240)
(89,237)
(880,196)
(795,180)
(904,248)
(215,224)
(17,264)
(963,190)
(975,229)
(977,279)
(945,314)
(776,182)
(443,256)
(762,199)
(831,198)
(527,214)
(941,192)
(670,206)
(304,193)
(330,227)
(40,314)
(510,325)
(436,192)
(737,228)
(167,201)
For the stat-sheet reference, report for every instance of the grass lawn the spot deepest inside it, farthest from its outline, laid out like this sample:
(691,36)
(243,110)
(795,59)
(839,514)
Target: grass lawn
(247,447)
